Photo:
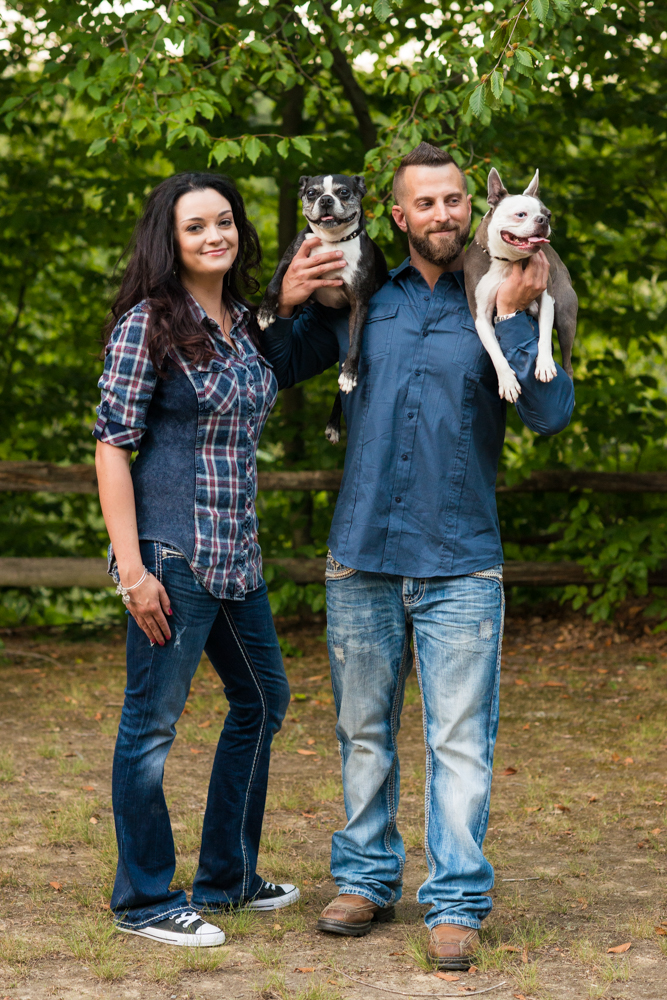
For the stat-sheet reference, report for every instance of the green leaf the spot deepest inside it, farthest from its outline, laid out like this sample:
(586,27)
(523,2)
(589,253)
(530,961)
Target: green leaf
(540,9)
(382,10)
(327,58)
(302,144)
(477,102)
(257,46)
(97,146)
(283,148)
(524,56)
(227,148)
(497,83)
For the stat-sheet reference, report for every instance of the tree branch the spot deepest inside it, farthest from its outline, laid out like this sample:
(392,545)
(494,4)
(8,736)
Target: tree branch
(353,91)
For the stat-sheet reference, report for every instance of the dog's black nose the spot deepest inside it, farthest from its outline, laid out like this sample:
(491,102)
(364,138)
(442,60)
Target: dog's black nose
(326,201)
(540,219)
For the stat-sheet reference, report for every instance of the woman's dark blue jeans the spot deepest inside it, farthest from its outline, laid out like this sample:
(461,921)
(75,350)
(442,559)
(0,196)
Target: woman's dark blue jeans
(240,640)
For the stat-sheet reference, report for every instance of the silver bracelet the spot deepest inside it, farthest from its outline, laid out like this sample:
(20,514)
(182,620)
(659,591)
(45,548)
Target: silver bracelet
(124,592)
(501,319)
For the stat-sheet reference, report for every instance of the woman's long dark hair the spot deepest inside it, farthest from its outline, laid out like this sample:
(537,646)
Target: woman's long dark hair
(152,274)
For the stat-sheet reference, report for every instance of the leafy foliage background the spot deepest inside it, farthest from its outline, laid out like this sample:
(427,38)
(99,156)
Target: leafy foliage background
(100,102)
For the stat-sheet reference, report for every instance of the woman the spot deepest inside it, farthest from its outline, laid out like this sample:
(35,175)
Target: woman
(185,385)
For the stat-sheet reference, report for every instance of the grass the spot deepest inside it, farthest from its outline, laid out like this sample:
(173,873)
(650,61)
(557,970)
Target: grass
(7,767)
(416,946)
(93,941)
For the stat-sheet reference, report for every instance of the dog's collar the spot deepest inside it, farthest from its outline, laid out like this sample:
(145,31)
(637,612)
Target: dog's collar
(352,236)
(492,256)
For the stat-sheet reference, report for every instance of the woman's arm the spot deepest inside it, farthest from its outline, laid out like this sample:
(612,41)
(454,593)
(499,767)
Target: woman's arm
(149,603)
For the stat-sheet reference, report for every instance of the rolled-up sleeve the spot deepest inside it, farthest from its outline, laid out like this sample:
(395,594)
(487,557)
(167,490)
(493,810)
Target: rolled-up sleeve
(127,383)
(544,407)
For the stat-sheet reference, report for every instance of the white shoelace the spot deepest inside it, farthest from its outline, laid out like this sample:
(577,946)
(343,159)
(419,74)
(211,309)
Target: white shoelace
(270,885)
(186,919)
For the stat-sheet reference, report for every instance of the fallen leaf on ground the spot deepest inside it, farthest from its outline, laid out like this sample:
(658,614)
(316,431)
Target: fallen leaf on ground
(527,726)
(473,969)
(559,807)
(317,677)
(403,953)
(520,996)
(309,815)
(310,742)
(509,947)
(447,977)
(69,755)
(94,820)
(657,803)
(508,771)
(219,710)
(98,716)
(615,757)
(657,830)
(306,968)
(524,955)
(554,684)
(307,753)
(628,760)
(88,788)
(192,750)
(661,931)
(592,799)
(334,982)
(620,949)
(520,682)
(204,725)
(277,927)
(56,885)
(533,809)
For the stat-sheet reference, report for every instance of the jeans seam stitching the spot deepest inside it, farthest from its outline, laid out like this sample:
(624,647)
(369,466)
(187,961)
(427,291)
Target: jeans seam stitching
(429,769)
(260,738)
(489,752)
(392,777)
(155,920)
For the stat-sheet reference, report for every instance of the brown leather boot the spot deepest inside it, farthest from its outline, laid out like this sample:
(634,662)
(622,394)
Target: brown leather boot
(451,946)
(352,915)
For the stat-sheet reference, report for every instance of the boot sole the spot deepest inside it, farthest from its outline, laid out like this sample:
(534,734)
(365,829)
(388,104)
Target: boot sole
(355,930)
(453,964)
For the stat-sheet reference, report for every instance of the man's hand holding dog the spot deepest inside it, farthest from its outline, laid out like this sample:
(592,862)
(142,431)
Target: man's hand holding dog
(306,274)
(523,285)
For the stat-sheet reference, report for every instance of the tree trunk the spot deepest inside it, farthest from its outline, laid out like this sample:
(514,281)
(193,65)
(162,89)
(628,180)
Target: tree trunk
(293,400)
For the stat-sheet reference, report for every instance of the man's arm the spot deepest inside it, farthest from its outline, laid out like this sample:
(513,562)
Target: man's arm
(301,348)
(544,407)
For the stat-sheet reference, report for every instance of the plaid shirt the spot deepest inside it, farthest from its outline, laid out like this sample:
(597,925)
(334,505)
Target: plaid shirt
(235,394)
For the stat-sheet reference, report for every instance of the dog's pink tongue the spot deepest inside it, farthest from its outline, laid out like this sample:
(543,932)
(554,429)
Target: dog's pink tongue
(538,239)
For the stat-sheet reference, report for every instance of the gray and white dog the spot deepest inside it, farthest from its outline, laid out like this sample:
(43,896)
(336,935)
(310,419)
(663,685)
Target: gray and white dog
(516,227)
(332,207)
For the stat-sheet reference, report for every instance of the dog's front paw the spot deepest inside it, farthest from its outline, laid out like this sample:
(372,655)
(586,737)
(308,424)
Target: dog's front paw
(332,434)
(265,317)
(348,377)
(508,386)
(545,368)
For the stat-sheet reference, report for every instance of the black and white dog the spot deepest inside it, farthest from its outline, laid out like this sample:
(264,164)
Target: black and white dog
(332,207)
(515,228)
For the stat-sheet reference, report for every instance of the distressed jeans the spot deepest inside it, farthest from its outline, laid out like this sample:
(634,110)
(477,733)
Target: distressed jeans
(240,640)
(455,627)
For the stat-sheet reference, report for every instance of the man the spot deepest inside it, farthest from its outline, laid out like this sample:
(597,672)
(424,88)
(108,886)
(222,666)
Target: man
(415,548)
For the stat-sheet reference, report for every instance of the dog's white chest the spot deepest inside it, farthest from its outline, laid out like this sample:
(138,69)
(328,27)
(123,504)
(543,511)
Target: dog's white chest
(336,297)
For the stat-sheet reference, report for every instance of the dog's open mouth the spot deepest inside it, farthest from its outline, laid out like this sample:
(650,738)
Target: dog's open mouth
(523,242)
(331,220)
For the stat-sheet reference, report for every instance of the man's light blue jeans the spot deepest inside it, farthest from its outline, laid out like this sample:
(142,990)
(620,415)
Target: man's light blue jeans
(456,626)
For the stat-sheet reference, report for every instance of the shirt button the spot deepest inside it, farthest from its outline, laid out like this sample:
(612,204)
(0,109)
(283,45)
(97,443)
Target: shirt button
(404,457)
(410,416)
(398,499)
(417,374)
(426,298)
(425,333)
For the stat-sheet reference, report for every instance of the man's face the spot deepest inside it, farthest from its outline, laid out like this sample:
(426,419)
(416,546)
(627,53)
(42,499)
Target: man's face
(434,210)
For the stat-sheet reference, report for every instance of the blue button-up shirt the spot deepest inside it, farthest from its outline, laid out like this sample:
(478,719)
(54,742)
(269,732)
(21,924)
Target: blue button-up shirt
(425,424)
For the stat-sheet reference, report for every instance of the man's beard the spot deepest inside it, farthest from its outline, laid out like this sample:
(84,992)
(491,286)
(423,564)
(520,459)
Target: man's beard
(443,252)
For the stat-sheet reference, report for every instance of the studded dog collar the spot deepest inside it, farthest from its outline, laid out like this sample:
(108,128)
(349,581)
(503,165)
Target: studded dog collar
(492,256)
(352,236)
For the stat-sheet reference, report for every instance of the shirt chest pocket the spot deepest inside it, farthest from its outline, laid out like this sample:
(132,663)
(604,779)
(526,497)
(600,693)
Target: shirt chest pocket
(217,386)
(379,330)
(469,352)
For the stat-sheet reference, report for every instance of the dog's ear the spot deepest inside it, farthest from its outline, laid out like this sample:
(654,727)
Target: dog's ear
(361,184)
(496,189)
(303,184)
(534,186)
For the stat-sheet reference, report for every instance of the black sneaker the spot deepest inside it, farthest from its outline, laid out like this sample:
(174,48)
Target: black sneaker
(186,929)
(274,897)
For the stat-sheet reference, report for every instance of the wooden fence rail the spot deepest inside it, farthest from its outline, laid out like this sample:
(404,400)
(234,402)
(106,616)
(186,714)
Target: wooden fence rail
(91,573)
(48,478)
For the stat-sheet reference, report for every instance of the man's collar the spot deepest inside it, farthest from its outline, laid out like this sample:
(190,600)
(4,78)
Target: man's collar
(397,271)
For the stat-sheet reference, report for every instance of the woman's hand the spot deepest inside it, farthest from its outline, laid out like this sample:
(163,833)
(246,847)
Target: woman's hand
(148,606)
(306,274)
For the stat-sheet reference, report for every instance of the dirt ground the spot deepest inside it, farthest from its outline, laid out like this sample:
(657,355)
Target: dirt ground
(577,831)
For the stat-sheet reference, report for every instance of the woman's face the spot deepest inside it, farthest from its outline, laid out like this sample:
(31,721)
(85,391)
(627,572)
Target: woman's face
(207,239)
